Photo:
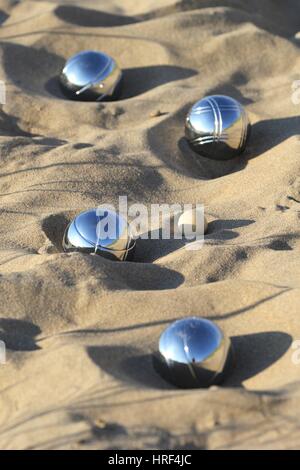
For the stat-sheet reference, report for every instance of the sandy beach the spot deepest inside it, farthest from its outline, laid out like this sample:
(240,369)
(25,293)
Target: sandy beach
(80,330)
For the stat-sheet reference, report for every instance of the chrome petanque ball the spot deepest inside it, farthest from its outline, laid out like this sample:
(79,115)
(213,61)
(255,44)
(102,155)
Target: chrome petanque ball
(91,75)
(102,232)
(193,353)
(217,127)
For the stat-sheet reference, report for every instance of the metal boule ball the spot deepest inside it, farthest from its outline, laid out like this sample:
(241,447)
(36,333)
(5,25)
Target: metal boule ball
(91,75)
(217,127)
(102,232)
(193,353)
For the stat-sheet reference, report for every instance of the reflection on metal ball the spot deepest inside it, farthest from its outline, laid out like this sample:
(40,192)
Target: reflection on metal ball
(193,353)
(217,127)
(91,75)
(100,231)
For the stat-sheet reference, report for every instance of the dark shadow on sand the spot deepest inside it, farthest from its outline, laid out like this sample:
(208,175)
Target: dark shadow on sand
(139,80)
(3,16)
(255,353)
(30,68)
(91,18)
(269,133)
(155,246)
(222,229)
(151,248)
(127,364)
(19,335)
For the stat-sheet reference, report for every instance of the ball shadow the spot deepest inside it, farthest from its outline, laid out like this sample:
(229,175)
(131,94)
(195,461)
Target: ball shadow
(30,68)
(91,18)
(128,365)
(223,229)
(151,248)
(53,87)
(269,133)
(19,335)
(54,228)
(255,353)
(3,16)
(139,80)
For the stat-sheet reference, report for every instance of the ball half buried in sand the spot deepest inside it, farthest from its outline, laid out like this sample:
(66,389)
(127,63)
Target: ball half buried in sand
(91,75)
(193,353)
(102,232)
(217,127)
(192,223)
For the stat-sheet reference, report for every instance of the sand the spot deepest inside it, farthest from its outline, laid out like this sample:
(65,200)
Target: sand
(80,329)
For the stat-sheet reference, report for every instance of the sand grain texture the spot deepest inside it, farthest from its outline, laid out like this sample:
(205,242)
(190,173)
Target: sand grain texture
(80,329)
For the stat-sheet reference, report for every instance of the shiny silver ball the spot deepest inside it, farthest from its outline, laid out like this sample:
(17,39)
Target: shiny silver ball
(217,127)
(91,75)
(193,353)
(102,232)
